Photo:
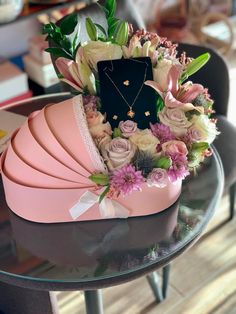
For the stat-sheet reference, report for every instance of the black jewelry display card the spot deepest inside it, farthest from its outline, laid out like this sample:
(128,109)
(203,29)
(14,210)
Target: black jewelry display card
(124,96)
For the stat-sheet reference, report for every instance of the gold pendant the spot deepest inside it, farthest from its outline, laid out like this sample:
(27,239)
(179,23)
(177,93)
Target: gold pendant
(126,83)
(147,113)
(115,117)
(131,113)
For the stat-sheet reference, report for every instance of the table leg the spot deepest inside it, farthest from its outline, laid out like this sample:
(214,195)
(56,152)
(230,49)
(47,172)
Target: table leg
(93,301)
(154,282)
(165,283)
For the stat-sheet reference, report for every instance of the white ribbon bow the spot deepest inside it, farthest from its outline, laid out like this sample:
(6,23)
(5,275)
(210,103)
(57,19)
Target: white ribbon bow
(108,208)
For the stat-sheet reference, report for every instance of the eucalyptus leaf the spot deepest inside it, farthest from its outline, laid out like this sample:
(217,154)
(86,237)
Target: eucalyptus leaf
(69,23)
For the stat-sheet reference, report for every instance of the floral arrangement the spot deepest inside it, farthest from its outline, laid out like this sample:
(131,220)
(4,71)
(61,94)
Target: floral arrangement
(170,148)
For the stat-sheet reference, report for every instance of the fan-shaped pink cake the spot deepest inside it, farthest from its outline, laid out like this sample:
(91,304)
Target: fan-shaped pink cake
(46,171)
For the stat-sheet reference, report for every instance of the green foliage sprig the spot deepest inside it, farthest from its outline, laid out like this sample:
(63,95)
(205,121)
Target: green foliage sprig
(65,46)
(117,30)
(195,65)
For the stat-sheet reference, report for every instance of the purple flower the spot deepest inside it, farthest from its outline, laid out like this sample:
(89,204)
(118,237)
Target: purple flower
(128,127)
(162,132)
(90,103)
(127,179)
(179,167)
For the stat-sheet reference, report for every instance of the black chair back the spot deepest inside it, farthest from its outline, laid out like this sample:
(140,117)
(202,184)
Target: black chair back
(214,75)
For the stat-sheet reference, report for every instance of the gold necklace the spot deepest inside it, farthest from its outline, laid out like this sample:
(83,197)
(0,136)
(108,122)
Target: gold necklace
(131,112)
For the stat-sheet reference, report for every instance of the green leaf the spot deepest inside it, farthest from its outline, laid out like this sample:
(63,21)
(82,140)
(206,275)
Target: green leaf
(117,133)
(91,29)
(105,10)
(58,52)
(164,162)
(74,42)
(160,103)
(65,44)
(69,23)
(102,29)
(97,84)
(60,76)
(47,29)
(111,7)
(122,34)
(199,147)
(112,25)
(100,178)
(196,65)
(104,193)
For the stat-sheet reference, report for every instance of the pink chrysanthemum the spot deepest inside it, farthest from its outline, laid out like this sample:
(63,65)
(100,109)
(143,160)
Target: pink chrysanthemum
(162,132)
(179,168)
(127,179)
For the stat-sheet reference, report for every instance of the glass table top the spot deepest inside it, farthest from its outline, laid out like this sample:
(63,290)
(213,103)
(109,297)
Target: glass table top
(85,252)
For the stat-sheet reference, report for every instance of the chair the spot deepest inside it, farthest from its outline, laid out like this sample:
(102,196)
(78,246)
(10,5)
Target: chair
(15,300)
(215,77)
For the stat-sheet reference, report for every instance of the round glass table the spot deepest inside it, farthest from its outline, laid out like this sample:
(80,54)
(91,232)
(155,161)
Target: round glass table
(91,255)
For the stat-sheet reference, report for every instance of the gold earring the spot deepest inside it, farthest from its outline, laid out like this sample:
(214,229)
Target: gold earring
(126,83)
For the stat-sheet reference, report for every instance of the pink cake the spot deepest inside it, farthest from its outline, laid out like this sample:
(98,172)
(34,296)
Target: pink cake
(46,171)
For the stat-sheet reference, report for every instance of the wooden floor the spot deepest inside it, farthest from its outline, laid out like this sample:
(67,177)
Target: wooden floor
(203,281)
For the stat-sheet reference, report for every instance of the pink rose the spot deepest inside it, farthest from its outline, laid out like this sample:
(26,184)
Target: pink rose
(118,153)
(94,118)
(158,177)
(175,119)
(128,127)
(194,134)
(174,147)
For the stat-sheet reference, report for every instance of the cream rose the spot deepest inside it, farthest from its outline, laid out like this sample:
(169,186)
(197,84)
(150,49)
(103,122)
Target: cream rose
(118,152)
(100,130)
(176,120)
(94,118)
(95,51)
(160,73)
(145,141)
(174,147)
(206,128)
